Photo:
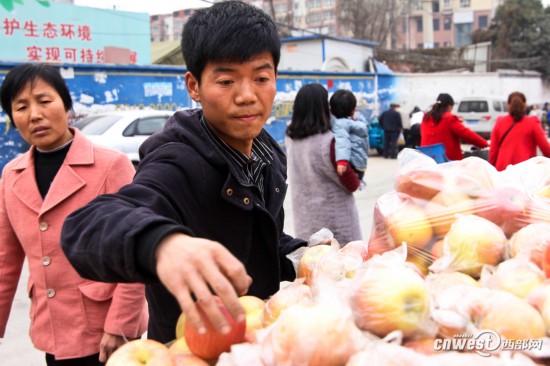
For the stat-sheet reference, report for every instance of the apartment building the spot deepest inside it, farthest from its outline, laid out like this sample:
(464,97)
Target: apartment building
(442,23)
(420,24)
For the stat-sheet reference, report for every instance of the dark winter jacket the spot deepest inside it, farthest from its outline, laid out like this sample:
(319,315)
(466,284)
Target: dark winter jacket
(183,184)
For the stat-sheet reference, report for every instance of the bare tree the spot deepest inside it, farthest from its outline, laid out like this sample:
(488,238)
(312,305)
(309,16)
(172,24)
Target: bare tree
(372,20)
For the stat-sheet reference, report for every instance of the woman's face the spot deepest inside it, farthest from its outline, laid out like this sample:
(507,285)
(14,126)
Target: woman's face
(40,116)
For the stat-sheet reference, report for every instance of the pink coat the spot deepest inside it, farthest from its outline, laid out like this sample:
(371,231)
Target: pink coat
(69,314)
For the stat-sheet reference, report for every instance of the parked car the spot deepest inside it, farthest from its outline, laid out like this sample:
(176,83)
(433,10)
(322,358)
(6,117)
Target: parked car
(123,130)
(480,113)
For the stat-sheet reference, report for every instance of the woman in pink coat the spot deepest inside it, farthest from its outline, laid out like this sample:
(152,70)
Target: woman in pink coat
(515,137)
(73,320)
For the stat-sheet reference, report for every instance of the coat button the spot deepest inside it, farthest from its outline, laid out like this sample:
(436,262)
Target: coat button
(43,226)
(277,190)
(50,292)
(46,261)
(229,192)
(246,201)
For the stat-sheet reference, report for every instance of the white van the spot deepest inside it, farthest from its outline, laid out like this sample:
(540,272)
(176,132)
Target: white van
(480,113)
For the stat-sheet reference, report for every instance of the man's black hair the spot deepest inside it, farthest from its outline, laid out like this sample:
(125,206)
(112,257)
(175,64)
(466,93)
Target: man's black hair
(342,103)
(228,31)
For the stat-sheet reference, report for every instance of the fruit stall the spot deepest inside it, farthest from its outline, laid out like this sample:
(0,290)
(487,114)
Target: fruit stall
(455,273)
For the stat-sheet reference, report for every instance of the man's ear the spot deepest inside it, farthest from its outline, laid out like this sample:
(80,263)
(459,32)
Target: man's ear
(192,87)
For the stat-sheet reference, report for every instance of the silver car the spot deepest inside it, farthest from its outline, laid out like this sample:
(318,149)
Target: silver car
(123,130)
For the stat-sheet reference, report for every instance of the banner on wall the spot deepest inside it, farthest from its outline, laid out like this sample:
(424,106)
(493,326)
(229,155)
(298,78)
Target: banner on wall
(42,31)
(100,88)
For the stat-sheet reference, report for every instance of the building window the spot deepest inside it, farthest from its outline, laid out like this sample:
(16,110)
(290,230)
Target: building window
(446,3)
(435,6)
(280,8)
(464,3)
(483,21)
(420,45)
(446,44)
(462,34)
(419,26)
(436,24)
(447,23)
(329,2)
(436,45)
(314,3)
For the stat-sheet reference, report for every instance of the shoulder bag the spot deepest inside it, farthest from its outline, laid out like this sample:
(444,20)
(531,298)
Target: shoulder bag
(504,136)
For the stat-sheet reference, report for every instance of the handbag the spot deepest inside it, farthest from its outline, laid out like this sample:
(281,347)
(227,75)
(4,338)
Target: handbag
(401,139)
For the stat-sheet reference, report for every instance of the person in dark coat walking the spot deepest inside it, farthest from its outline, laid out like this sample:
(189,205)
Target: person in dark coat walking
(392,124)
(204,214)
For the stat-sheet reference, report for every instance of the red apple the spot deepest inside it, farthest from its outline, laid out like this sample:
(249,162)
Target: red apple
(213,343)
(286,297)
(253,308)
(507,207)
(422,183)
(313,334)
(389,297)
(358,248)
(471,243)
(533,238)
(444,207)
(141,352)
(410,224)
(508,315)
(309,259)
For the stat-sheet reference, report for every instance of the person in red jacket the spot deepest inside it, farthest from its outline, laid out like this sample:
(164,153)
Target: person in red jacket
(439,125)
(515,137)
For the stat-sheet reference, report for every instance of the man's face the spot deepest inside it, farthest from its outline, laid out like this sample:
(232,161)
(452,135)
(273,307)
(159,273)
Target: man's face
(236,98)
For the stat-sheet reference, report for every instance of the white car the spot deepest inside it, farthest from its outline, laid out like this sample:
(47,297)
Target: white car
(123,130)
(480,113)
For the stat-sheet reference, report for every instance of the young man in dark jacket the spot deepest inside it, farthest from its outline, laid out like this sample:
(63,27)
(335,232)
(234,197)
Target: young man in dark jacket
(204,214)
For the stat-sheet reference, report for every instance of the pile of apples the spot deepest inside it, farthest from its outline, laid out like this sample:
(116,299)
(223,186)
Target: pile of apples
(456,249)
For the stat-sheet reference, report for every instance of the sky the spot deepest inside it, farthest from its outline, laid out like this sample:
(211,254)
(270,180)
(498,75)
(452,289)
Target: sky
(152,7)
(158,6)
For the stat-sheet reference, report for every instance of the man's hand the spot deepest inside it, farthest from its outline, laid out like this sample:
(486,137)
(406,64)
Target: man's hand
(109,343)
(187,265)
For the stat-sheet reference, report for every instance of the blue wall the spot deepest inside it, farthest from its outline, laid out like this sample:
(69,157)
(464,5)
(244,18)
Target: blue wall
(96,88)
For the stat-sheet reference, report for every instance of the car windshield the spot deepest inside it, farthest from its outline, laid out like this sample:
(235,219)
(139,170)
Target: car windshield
(100,125)
(473,106)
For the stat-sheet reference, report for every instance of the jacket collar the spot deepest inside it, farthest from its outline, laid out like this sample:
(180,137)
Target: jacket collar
(66,182)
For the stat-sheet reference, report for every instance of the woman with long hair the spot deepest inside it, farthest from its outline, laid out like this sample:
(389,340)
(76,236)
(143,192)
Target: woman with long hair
(320,197)
(440,125)
(516,136)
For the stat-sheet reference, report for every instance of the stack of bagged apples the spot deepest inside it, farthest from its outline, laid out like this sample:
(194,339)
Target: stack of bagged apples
(458,251)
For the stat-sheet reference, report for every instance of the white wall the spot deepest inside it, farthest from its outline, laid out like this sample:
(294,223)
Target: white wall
(422,89)
(307,55)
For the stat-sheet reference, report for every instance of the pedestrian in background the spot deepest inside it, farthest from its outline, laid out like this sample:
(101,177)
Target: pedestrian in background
(75,321)
(415,120)
(392,124)
(320,196)
(351,135)
(515,136)
(439,125)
